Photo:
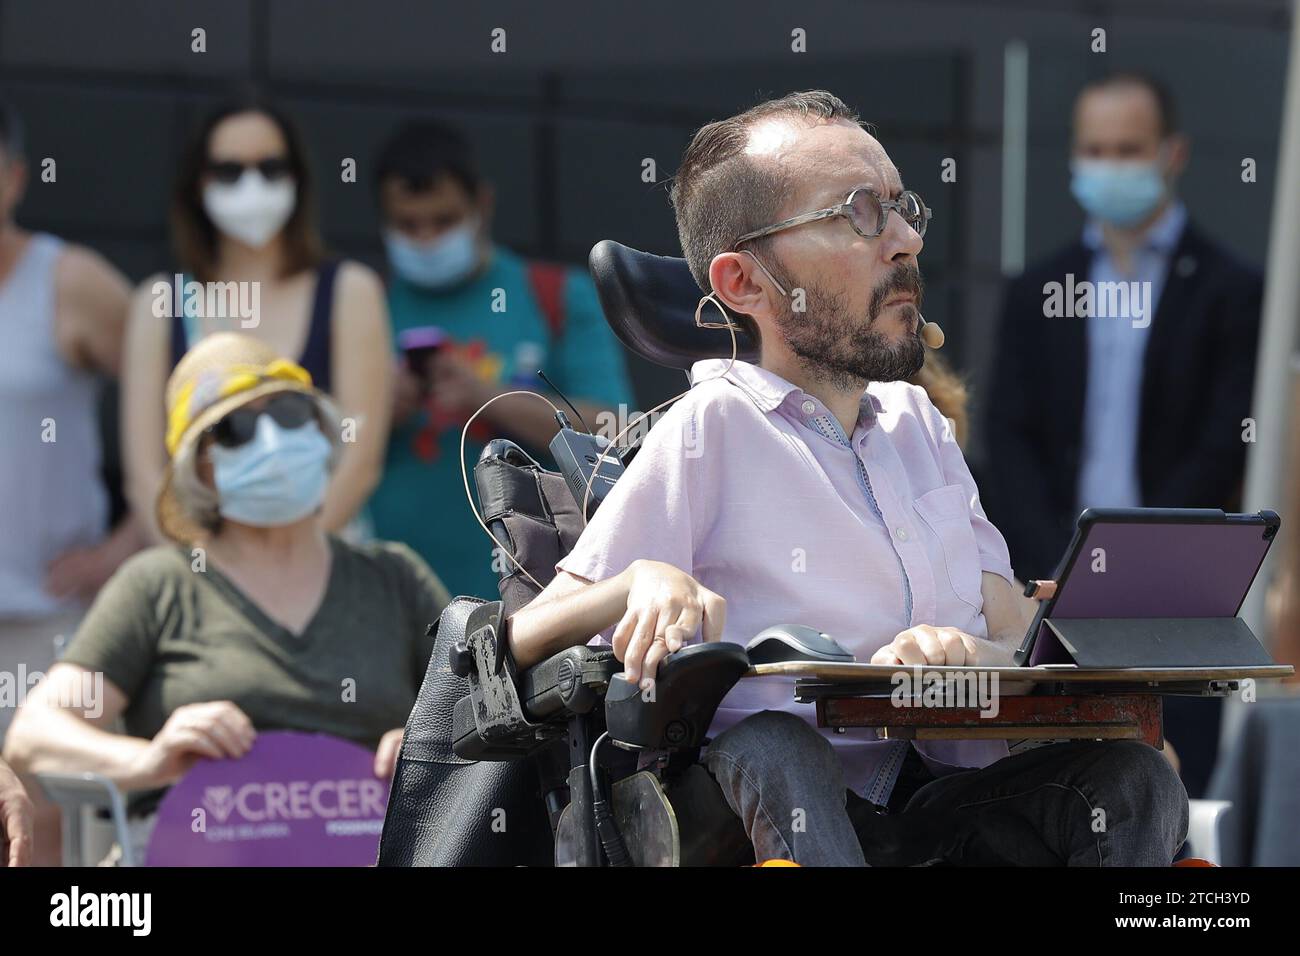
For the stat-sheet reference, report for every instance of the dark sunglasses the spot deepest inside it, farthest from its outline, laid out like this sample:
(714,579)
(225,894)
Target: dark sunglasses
(229,170)
(288,410)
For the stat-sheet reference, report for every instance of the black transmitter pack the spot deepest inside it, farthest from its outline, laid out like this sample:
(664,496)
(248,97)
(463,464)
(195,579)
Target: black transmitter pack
(577,455)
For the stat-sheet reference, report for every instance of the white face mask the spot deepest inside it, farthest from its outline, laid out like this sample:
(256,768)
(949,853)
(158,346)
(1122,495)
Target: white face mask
(251,209)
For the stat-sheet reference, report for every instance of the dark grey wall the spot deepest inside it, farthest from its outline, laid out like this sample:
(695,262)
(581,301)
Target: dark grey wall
(586,91)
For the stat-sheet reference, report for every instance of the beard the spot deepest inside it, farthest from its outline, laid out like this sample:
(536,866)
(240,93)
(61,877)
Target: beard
(834,345)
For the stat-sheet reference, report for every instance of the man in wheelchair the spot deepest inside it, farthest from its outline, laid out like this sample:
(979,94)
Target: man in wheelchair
(818,487)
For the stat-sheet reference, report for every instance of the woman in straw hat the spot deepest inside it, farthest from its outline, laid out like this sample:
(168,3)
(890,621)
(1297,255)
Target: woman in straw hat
(255,618)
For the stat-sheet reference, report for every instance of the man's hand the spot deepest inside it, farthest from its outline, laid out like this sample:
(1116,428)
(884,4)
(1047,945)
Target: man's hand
(408,393)
(924,644)
(216,730)
(665,609)
(16,831)
(455,386)
(386,754)
(81,572)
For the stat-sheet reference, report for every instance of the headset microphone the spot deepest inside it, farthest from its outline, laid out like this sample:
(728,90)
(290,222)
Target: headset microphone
(931,334)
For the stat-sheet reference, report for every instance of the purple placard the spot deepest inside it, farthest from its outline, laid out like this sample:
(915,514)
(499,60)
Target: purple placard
(294,799)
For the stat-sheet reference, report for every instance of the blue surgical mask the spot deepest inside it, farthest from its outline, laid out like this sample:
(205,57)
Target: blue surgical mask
(1119,192)
(449,259)
(275,478)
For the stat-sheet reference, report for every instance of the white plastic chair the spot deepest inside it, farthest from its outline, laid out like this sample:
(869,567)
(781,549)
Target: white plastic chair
(1203,828)
(81,796)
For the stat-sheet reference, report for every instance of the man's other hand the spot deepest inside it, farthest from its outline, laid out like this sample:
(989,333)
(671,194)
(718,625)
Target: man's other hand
(924,644)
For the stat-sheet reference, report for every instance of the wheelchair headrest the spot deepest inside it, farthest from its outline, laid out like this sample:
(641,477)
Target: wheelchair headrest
(649,302)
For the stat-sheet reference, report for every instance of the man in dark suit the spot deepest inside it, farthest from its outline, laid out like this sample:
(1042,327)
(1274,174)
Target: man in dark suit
(1125,361)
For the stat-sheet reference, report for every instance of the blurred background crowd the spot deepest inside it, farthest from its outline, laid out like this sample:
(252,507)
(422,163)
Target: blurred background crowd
(406,214)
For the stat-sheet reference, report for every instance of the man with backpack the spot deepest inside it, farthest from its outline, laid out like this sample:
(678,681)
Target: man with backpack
(472,320)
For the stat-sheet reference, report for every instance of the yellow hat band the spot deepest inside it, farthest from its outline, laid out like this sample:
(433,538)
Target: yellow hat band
(210,387)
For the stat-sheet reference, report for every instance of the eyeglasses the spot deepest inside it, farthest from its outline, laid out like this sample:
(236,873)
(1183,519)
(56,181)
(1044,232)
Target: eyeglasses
(865,211)
(229,170)
(288,410)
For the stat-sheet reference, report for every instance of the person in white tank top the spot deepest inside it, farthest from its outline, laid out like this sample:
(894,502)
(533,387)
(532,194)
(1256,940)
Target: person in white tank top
(62,315)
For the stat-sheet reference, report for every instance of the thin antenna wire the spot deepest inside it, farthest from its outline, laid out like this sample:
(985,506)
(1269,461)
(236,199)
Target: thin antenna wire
(572,407)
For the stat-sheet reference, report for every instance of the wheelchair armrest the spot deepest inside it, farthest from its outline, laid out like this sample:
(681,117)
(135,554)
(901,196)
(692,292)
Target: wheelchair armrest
(676,712)
(571,682)
(507,715)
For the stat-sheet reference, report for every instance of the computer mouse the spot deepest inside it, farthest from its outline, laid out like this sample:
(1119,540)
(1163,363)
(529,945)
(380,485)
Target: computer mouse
(782,643)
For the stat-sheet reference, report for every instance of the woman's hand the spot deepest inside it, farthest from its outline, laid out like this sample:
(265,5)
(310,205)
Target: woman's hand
(665,609)
(390,745)
(16,816)
(215,729)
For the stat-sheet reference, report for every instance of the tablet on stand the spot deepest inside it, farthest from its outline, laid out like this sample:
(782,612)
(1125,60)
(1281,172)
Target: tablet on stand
(1153,587)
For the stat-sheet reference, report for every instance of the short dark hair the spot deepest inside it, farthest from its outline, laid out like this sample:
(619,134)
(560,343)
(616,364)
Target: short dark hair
(1165,105)
(421,152)
(194,237)
(719,193)
(11,132)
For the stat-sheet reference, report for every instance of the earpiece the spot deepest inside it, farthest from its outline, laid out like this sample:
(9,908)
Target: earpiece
(931,334)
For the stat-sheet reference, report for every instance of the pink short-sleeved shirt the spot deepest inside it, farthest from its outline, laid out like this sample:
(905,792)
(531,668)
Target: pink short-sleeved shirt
(750,485)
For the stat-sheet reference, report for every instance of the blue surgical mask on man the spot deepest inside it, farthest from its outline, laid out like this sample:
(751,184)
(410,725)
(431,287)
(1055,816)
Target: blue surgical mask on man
(1119,192)
(447,260)
(275,478)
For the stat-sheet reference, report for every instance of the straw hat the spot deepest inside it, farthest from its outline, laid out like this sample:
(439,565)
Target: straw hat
(223,372)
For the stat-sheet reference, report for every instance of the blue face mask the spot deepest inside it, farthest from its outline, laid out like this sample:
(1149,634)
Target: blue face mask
(449,259)
(1116,191)
(275,478)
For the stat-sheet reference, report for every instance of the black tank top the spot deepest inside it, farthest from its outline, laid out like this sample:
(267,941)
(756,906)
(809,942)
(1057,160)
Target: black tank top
(316,353)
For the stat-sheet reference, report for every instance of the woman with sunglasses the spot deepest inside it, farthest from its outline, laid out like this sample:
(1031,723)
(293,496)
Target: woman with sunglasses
(254,619)
(243,230)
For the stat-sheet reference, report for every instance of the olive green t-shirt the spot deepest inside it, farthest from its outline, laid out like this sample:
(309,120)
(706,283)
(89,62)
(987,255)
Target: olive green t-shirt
(167,635)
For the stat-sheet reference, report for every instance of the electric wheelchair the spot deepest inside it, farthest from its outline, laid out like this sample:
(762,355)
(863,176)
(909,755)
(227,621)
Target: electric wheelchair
(500,767)
(566,763)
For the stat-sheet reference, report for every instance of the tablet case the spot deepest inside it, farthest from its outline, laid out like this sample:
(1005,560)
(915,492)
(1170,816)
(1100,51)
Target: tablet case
(1172,585)
(1150,642)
